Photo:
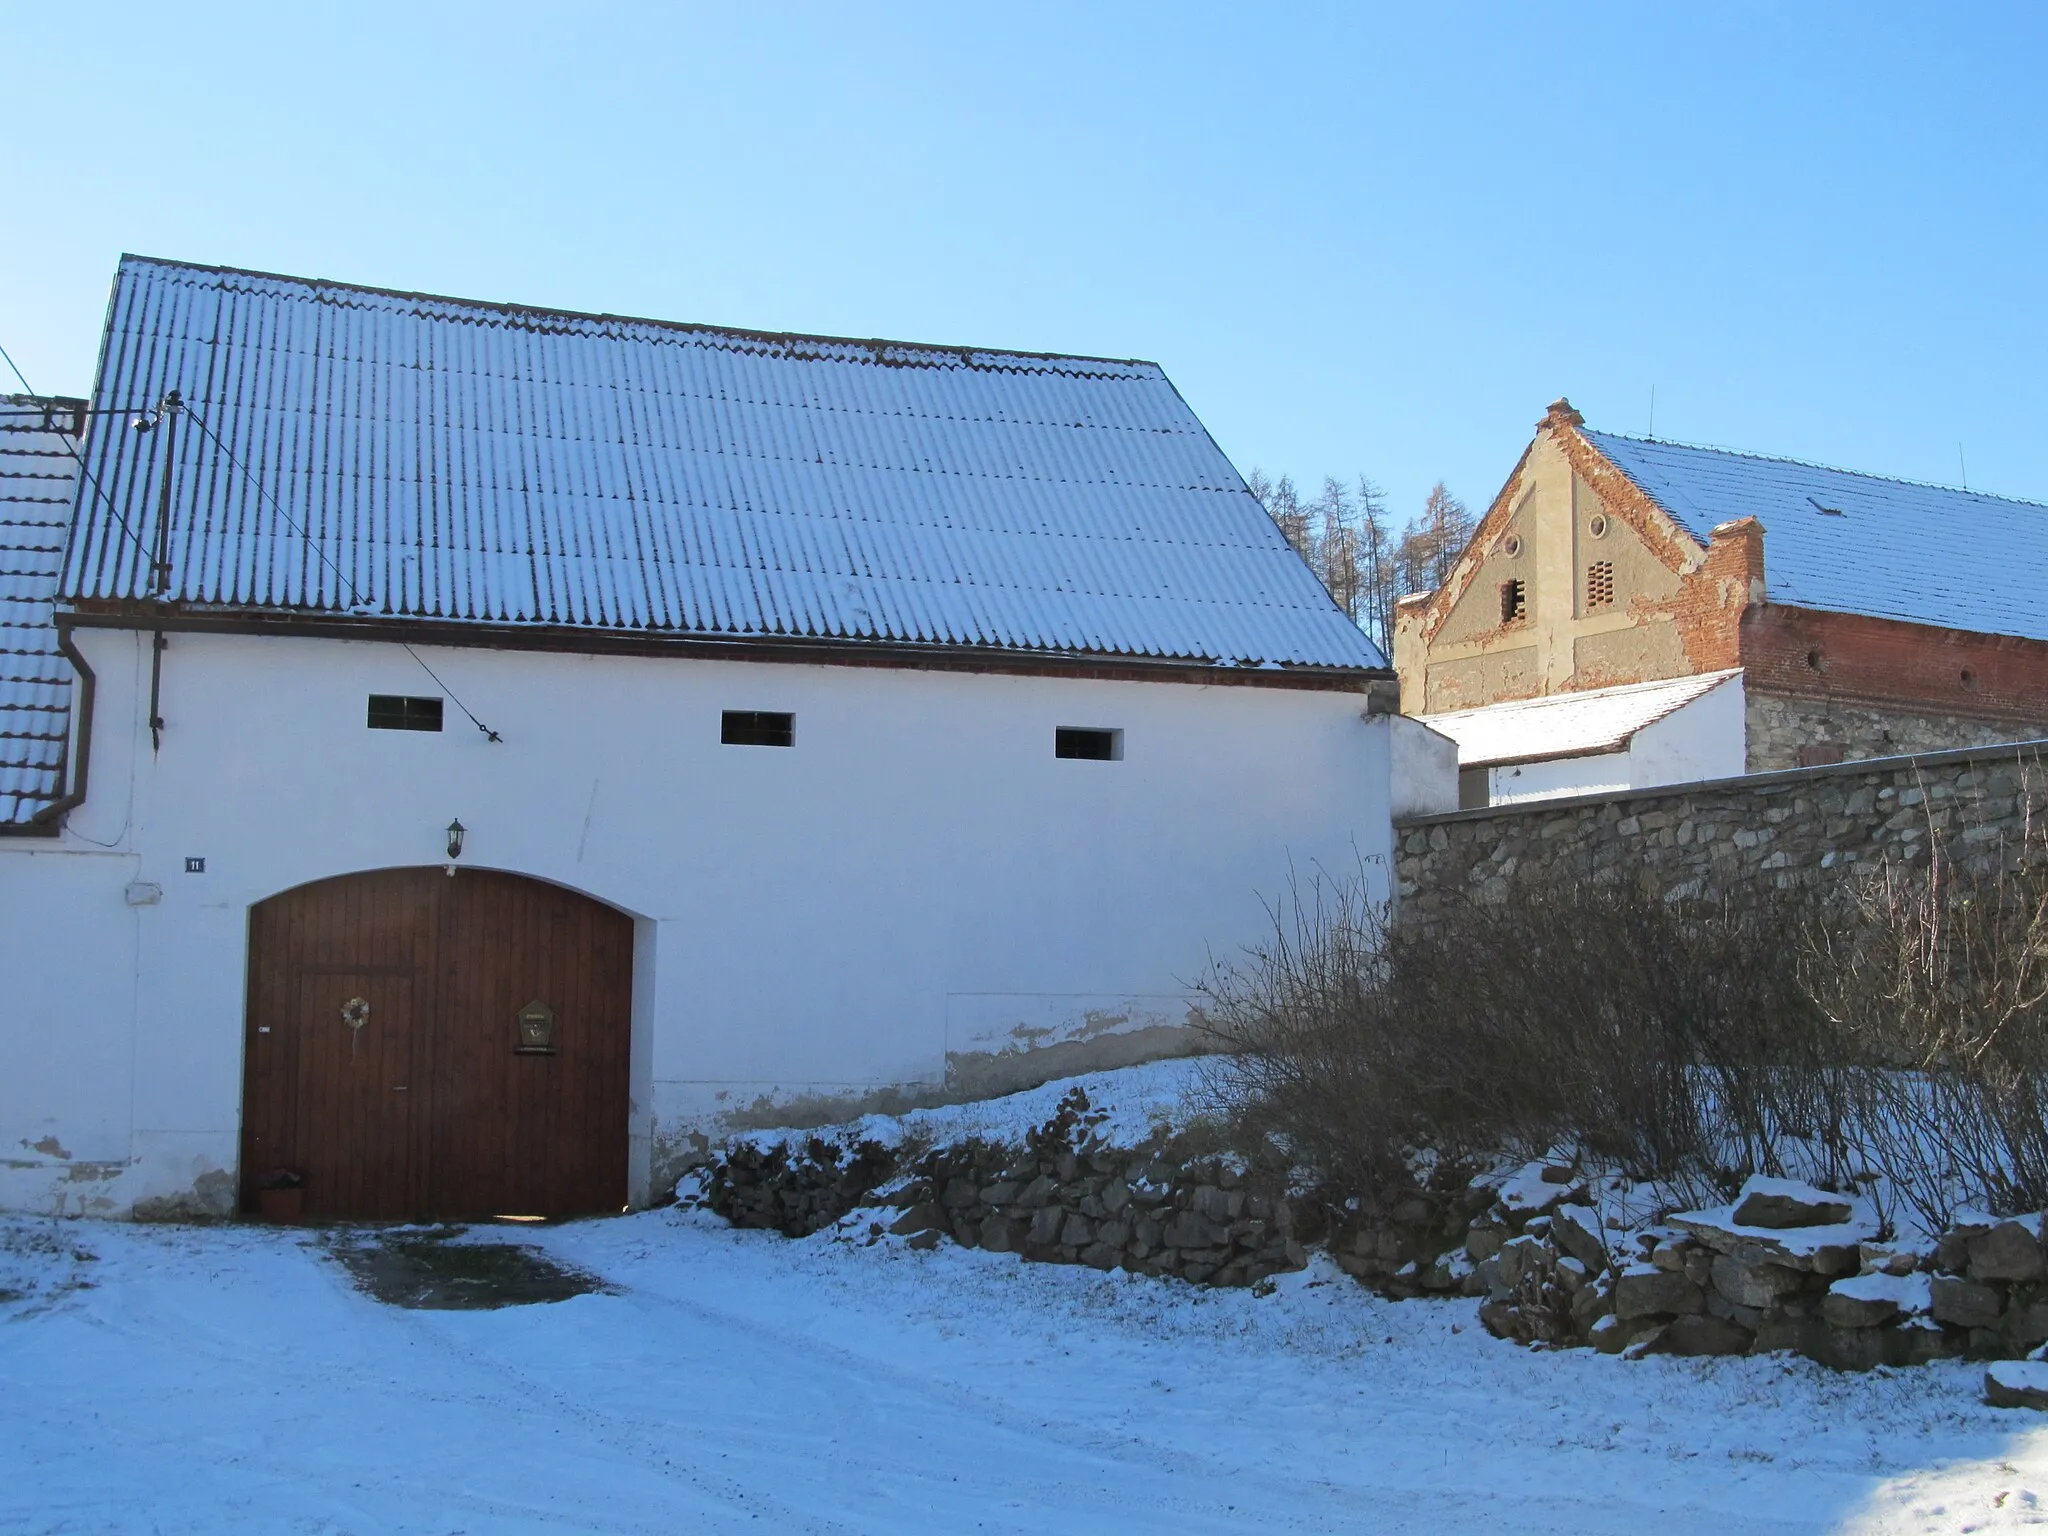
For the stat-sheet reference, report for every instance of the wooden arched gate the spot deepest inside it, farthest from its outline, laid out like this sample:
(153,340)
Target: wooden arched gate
(425,1045)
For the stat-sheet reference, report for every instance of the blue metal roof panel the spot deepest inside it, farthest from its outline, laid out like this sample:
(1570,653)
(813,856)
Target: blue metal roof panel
(1851,543)
(435,458)
(38,484)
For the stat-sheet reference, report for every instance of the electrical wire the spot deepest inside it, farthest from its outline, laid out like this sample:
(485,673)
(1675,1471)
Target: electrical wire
(83,468)
(114,512)
(355,597)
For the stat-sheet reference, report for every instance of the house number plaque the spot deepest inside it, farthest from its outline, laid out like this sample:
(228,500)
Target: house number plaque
(536,1030)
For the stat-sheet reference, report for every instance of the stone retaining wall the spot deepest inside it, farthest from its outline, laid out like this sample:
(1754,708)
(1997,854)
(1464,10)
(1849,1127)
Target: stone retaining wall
(1706,1284)
(1544,1266)
(1065,1196)
(1701,840)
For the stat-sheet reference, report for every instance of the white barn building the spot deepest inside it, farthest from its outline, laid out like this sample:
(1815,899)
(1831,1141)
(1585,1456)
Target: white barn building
(828,723)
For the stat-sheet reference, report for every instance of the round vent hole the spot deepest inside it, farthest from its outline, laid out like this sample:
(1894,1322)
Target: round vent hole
(1597,525)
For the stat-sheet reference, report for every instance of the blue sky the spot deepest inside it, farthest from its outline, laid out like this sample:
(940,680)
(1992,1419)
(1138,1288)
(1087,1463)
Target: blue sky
(1358,238)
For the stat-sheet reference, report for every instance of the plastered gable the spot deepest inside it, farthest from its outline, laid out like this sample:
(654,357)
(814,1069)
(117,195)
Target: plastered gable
(1624,639)
(1490,677)
(1599,534)
(1606,589)
(1511,554)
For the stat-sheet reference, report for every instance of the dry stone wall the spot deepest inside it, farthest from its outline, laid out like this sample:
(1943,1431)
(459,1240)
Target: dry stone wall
(1785,1268)
(1066,1196)
(1703,840)
(1780,727)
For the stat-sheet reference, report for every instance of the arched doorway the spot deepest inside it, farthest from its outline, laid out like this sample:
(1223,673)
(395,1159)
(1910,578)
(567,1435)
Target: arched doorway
(426,1045)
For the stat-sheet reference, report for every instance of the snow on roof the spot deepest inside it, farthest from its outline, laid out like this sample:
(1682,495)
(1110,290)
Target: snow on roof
(38,477)
(1851,543)
(1567,724)
(439,458)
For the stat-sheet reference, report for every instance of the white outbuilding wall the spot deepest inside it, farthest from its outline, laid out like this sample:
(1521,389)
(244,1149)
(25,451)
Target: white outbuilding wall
(917,894)
(1704,738)
(1707,738)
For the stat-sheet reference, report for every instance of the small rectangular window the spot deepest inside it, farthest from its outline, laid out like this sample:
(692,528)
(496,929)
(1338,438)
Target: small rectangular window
(1088,744)
(395,712)
(757,728)
(1513,601)
(1600,584)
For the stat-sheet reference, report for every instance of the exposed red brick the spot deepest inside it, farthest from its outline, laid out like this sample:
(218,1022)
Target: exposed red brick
(1714,599)
(1809,654)
(1619,495)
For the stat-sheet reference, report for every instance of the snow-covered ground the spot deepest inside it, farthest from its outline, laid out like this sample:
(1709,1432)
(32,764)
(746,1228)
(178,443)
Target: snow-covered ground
(190,1379)
(1125,1106)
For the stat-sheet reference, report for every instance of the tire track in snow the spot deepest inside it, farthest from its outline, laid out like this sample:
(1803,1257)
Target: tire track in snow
(153,1273)
(1252,1484)
(855,1373)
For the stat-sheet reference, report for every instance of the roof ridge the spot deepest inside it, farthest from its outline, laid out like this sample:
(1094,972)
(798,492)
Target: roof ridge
(1833,469)
(960,352)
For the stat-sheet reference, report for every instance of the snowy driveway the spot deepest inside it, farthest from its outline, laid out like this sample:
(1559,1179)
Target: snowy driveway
(233,1380)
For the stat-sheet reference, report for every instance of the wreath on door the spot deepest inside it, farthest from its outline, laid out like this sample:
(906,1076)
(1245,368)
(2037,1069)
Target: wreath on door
(355,1013)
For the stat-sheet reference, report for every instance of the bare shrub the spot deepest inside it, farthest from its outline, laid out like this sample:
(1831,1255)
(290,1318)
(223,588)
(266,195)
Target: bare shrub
(1672,1040)
(1939,976)
(1311,1051)
(1894,1026)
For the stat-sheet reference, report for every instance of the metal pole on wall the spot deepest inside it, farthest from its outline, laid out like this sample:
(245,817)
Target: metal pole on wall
(166,415)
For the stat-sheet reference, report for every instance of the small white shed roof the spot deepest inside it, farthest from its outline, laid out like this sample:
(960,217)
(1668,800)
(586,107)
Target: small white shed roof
(1568,724)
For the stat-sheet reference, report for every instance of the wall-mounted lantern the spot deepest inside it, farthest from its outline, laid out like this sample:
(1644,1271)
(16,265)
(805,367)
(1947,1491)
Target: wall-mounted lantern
(455,831)
(536,1030)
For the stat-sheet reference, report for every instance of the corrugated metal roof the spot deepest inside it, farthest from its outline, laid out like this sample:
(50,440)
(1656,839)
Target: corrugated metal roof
(38,480)
(443,459)
(1851,543)
(1567,724)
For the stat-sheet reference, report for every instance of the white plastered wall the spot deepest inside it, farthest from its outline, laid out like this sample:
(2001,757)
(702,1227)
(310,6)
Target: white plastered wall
(1556,777)
(1425,769)
(917,890)
(1707,738)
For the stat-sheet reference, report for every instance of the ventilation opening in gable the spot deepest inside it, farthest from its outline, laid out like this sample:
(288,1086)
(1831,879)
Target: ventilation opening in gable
(1514,601)
(1600,584)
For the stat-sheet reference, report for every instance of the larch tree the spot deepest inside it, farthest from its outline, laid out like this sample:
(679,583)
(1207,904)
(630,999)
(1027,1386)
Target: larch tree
(1346,537)
(1431,544)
